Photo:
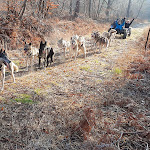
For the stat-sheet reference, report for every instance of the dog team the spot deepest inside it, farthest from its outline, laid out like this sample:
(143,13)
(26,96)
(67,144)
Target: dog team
(45,52)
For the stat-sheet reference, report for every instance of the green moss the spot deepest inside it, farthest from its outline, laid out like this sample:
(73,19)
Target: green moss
(86,68)
(117,71)
(24,98)
(38,91)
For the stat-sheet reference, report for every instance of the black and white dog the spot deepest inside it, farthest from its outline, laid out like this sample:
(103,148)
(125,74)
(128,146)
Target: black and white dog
(45,52)
(4,61)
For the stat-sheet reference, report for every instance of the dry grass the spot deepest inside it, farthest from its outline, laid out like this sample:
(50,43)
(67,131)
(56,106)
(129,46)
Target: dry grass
(83,104)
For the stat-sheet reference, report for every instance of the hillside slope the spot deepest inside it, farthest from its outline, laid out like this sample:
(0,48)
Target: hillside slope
(84,104)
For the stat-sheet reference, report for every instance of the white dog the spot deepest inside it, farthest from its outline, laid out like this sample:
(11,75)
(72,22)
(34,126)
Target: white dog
(4,61)
(65,45)
(78,43)
(30,52)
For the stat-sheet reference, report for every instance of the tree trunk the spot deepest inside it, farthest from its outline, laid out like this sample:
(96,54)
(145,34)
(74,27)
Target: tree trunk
(94,12)
(39,7)
(86,11)
(42,10)
(128,9)
(8,10)
(70,9)
(109,4)
(147,39)
(77,9)
(90,6)
(100,7)
(108,9)
(63,5)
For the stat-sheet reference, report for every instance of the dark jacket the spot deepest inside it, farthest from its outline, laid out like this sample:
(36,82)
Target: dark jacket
(127,25)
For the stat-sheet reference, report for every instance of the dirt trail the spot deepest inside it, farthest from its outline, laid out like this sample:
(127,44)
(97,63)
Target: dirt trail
(95,66)
(40,107)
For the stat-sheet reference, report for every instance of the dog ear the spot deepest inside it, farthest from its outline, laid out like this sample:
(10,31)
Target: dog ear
(29,43)
(4,52)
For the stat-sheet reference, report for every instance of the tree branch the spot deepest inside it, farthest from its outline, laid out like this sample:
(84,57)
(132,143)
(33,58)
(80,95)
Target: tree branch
(22,10)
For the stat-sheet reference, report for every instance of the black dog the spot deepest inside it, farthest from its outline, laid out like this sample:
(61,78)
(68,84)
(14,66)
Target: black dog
(50,55)
(3,56)
(3,59)
(45,53)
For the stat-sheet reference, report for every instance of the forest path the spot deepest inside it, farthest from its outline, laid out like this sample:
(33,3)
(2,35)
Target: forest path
(42,106)
(96,68)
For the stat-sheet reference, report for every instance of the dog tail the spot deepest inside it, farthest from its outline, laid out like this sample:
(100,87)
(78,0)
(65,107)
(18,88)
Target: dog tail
(16,68)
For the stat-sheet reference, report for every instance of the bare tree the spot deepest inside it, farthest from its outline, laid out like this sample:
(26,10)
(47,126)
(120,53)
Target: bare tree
(77,9)
(128,9)
(39,7)
(108,9)
(147,39)
(109,4)
(22,9)
(90,7)
(70,8)
(100,7)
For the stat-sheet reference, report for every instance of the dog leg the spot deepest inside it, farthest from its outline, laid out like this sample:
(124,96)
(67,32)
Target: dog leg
(70,52)
(65,49)
(3,77)
(47,61)
(12,74)
(31,60)
(34,59)
(76,52)
(39,62)
(109,42)
(64,53)
(27,63)
(96,47)
(100,47)
(84,52)
(44,63)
